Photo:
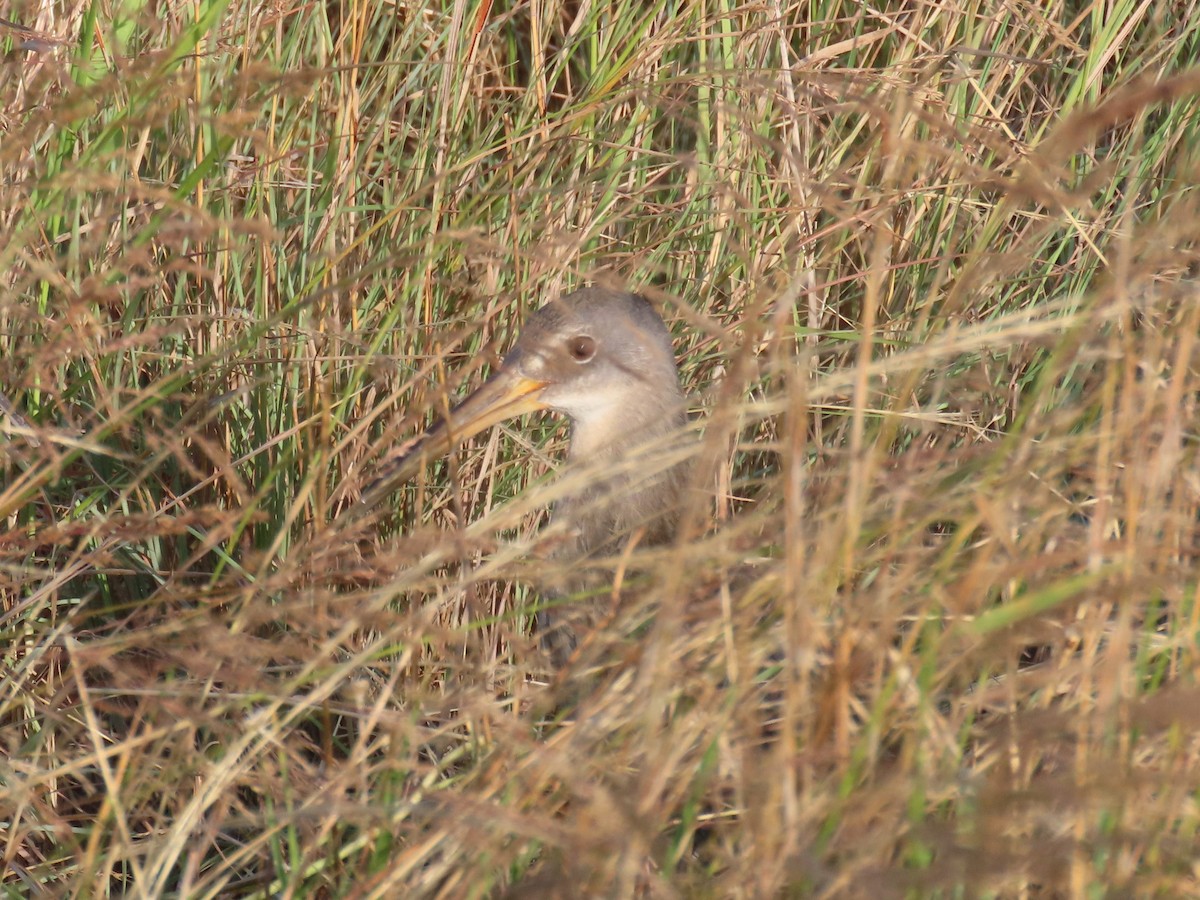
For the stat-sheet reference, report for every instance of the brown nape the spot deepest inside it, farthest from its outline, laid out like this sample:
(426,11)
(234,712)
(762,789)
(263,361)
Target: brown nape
(604,359)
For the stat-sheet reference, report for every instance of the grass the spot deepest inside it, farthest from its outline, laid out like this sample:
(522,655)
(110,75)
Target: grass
(931,276)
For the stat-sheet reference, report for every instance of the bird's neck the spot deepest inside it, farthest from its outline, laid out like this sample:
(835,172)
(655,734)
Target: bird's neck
(626,494)
(620,430)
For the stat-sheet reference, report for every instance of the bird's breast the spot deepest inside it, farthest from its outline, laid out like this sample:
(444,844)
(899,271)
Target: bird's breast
(603,516)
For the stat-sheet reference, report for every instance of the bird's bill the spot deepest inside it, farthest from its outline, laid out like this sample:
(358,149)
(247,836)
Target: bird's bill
(504,396)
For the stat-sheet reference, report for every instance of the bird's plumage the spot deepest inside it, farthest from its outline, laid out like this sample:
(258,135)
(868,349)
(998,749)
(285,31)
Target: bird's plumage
(621,398)
(604,359)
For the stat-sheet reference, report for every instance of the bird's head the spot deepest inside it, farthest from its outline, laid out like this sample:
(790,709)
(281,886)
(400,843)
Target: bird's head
(599,356)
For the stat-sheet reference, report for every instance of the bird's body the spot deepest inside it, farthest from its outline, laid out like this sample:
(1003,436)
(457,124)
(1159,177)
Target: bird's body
(622,400)
(604,359)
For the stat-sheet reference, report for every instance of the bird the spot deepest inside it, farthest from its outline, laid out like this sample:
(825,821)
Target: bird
(604,359)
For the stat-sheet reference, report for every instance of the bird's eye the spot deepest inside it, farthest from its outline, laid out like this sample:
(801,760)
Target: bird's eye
(581,348)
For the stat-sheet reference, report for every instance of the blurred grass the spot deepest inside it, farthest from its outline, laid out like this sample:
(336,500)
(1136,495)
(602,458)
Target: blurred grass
(931,273)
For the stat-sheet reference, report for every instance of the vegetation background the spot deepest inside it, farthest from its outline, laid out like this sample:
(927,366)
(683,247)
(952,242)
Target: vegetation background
(931,271)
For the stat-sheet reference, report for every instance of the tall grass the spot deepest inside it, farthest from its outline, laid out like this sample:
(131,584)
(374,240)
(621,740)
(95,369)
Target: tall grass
(931,273)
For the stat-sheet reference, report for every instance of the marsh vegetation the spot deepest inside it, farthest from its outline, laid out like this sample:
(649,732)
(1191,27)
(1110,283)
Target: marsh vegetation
(930,273)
